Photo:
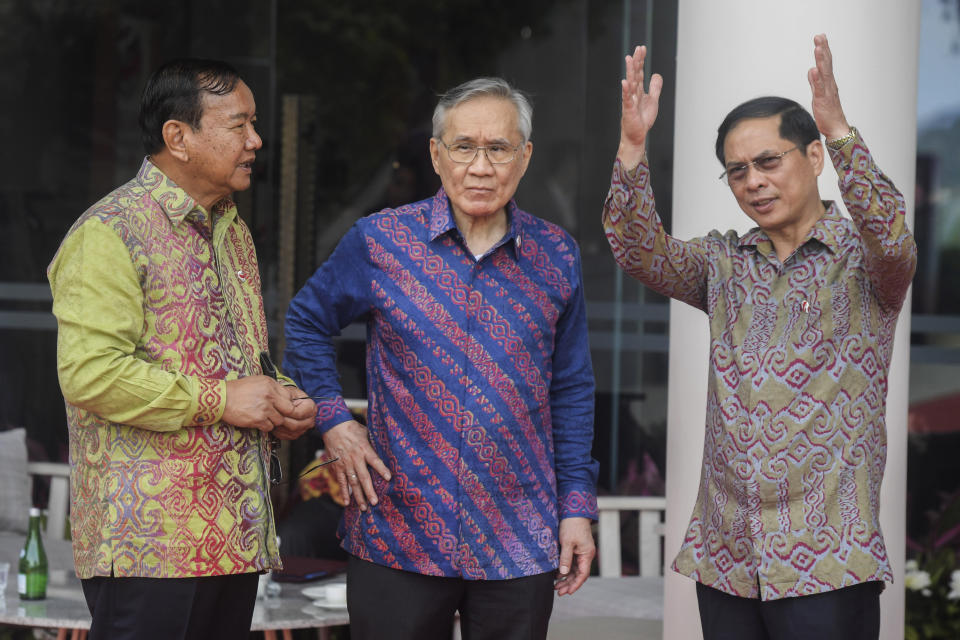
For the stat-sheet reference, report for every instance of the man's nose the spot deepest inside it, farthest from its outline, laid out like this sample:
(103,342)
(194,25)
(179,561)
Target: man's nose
(481,163)
(254,141)
(755,178)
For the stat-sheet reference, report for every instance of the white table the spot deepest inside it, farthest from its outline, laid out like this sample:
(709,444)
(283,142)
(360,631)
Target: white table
(65,608)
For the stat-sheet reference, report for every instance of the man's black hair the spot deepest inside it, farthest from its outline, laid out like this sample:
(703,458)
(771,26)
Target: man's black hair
(175,92)
(796,123)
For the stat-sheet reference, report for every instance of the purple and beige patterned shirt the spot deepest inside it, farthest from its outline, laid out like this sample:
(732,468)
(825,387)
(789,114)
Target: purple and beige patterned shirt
(795,441)
(480,388)
(158,304)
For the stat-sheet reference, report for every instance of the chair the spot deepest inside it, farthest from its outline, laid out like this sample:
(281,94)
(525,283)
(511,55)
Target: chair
(59,474)
(652,509)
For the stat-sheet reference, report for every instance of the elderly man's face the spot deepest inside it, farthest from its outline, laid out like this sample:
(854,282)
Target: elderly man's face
(221,152)
(781,199)
(480,189)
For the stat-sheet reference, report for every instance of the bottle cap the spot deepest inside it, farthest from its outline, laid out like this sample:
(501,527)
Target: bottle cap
(34,512)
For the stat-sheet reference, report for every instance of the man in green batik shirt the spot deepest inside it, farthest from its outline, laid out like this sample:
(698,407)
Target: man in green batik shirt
(156,291)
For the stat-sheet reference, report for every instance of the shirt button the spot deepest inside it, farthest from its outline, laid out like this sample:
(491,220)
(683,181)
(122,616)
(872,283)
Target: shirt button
(241,275)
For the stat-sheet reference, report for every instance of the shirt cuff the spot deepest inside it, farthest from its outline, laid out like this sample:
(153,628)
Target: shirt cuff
(842,158)
(579,503)
(208,402)
(331,412)
(631,178)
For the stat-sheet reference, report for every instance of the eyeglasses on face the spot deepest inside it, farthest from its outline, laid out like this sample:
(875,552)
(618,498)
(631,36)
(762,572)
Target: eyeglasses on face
(466,152)
(737,173)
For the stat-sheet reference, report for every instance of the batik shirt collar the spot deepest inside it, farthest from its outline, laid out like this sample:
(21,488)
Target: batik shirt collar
(826,231)
(176,203)
(442,222)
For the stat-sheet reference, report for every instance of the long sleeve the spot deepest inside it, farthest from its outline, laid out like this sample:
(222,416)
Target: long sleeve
(97,341)
(572,408)
(333,297)
(879,211)
(643,248)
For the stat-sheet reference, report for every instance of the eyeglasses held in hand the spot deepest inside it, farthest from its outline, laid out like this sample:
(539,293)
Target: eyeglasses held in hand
(276,470)
(466,152)
(735,174)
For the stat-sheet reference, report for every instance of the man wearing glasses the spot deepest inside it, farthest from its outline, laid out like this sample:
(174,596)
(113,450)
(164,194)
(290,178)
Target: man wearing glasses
(161,350)
(784,541)
(473,489)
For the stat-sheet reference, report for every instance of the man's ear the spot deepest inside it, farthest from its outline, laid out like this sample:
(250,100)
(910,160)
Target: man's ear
(174,137)
(435,155)
(815,154)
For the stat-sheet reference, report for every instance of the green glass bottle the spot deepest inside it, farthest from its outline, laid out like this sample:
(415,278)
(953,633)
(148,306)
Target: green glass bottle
(32,578)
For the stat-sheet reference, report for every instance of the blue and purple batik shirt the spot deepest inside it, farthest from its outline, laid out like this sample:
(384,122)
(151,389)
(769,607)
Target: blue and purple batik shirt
(480,385)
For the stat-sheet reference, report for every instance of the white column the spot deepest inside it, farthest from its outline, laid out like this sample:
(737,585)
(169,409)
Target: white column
(729,52)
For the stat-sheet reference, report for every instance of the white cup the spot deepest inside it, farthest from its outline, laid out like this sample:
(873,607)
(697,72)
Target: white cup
(337,593)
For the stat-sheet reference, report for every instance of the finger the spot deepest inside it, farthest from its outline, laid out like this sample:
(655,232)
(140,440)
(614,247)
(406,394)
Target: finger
(634,69)
(656,85)
(638,60)
(813,79)
(274,417)
(824,60)
(580,576)
(566,559)
(344,488)
(356,487)
(269,420)
(378,465)
(628,85)
(303,410)
(341,473)
(366,484)
(282,401)
(372,460)
(825,54)
(292,429)
(284,433)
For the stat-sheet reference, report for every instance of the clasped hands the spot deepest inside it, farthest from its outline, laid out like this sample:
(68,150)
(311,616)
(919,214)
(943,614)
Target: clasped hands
(260,402)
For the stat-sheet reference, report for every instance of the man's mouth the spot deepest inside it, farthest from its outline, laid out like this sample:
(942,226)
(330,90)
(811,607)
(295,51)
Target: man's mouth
(763,205)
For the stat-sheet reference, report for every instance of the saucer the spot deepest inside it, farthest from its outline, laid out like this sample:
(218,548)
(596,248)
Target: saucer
(323,604)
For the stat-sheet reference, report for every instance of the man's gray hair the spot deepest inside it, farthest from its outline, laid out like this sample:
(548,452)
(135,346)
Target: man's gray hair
(480,87)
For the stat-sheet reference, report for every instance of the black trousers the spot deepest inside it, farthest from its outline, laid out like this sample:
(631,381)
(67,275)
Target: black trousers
(400,605)
(851,613)
(208,608)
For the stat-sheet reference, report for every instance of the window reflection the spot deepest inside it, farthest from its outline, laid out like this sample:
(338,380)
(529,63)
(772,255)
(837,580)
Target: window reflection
(344,94)
(934,430)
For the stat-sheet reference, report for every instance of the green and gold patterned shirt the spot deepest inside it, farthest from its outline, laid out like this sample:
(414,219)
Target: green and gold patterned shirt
(795,442)
(156,308)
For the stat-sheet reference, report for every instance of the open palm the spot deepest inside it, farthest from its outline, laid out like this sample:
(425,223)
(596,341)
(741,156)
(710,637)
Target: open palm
(640,107)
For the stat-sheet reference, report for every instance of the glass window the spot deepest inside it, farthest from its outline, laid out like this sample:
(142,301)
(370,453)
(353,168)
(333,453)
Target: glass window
(345,93)
(933,474)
